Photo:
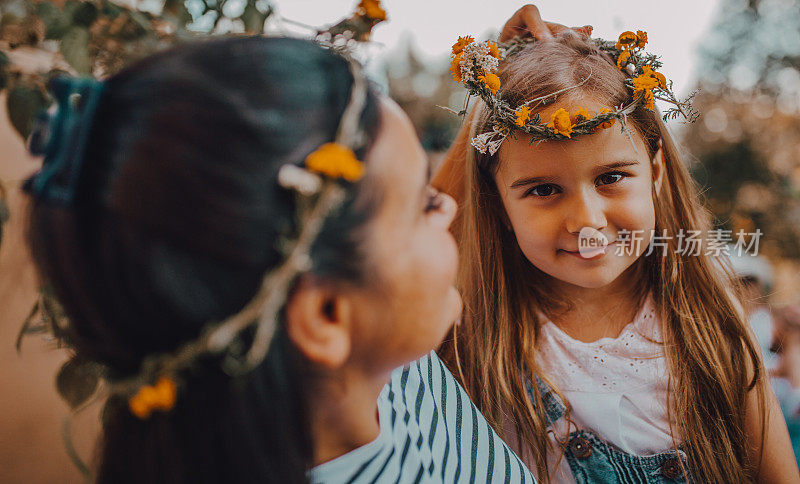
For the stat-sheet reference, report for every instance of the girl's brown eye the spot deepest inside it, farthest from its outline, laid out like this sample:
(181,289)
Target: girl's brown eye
(609,178)
(543,190)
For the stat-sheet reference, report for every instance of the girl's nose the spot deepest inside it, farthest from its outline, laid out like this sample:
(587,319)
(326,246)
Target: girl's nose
(586,210)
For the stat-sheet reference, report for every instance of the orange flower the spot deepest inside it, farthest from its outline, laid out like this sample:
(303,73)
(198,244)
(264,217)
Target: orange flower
(561,123)
(335,161)
(641,39)
(581,115)
(491,81)
(622,60)
(161,396)
(462,42)
(626,40)
(662,81)
(610,122)
(659,77)
(455,68)
(372,9)
(523,115)
(494,51)
(644,82)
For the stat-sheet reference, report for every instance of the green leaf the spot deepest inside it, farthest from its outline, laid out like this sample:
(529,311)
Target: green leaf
(76,382)
(75,49)
(23,104)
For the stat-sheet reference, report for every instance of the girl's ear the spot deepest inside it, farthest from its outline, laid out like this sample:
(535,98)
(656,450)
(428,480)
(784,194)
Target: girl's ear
(319,323)
(657,165)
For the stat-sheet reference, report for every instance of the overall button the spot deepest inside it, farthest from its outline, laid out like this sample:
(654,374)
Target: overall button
(671,468)
(580,447)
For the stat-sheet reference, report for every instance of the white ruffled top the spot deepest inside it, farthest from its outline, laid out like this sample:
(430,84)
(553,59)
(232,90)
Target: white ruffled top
(617,387)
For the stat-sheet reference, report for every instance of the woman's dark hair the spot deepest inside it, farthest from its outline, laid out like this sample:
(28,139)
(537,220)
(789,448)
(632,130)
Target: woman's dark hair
(177,217)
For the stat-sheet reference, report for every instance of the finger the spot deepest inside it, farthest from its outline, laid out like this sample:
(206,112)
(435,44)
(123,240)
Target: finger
(534,23)
(556,29)
(526,20)
(585,31)
(514,27)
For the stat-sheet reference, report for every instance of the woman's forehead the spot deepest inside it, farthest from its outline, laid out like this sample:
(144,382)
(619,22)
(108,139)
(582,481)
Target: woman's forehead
(397,159)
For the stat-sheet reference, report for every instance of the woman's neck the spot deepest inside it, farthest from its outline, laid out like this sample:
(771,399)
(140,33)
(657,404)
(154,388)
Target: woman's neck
(598,312)
(344,413)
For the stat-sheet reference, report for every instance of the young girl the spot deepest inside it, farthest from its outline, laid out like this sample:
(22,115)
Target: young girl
(622,364)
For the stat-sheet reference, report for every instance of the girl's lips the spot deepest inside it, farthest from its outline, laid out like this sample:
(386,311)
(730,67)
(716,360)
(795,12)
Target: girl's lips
(595,254)
(589,254)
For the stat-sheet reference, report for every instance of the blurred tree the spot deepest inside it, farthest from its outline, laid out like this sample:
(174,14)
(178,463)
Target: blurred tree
(748,142)
(419,88)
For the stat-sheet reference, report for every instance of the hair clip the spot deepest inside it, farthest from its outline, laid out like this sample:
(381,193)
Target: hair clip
(61,136)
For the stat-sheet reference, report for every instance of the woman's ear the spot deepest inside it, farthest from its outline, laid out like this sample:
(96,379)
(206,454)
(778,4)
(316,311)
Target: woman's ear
(319,323)
(657,165)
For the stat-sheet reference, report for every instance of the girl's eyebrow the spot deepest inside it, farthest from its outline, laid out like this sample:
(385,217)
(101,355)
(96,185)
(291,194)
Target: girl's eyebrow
(521,182)
(531,180)
(617,164)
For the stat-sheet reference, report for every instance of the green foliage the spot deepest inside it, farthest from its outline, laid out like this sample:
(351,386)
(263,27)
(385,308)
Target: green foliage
(98,38)
(24,102)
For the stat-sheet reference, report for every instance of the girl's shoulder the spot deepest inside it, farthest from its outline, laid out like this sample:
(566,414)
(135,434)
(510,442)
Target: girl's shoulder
(430,432)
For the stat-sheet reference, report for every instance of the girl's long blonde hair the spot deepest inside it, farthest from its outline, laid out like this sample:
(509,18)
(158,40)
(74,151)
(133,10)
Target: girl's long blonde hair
(713,362)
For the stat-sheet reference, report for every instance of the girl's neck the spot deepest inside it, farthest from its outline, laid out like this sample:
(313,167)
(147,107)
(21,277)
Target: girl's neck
(596,313)
(344,413)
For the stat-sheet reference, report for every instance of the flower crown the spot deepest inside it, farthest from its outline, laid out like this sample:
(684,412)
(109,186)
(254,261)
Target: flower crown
(475,64)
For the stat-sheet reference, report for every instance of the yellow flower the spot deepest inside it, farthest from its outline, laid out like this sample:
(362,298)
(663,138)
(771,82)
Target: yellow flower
(523,115)
(161,396)
(491,81)
(462,42)
(494,51)
(372,9)
(626,40)
(582,114)
(662,81)
(641,38)
(335,161)
(561,123)
(659,77)
(622,60)
(610,122)
(644,83)
(455,68)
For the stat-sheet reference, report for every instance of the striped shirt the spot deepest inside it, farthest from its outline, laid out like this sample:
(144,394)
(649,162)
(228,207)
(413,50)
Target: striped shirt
(429,432)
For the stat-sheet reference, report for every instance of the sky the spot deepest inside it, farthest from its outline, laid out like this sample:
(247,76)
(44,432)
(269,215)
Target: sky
(674,28)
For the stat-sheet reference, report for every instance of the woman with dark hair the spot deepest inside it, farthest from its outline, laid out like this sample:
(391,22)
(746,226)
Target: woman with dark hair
(171,218)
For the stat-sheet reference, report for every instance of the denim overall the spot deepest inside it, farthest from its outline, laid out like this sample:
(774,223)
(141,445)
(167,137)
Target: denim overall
(593,460)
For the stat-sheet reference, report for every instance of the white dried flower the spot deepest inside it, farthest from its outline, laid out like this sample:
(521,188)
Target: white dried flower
(476,55)
(489,142)
(299,179)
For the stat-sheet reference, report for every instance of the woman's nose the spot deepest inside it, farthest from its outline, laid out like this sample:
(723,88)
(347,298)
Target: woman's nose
(586,210)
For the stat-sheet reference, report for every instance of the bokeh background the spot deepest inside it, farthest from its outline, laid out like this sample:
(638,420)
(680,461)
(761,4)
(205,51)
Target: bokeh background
(742,55)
